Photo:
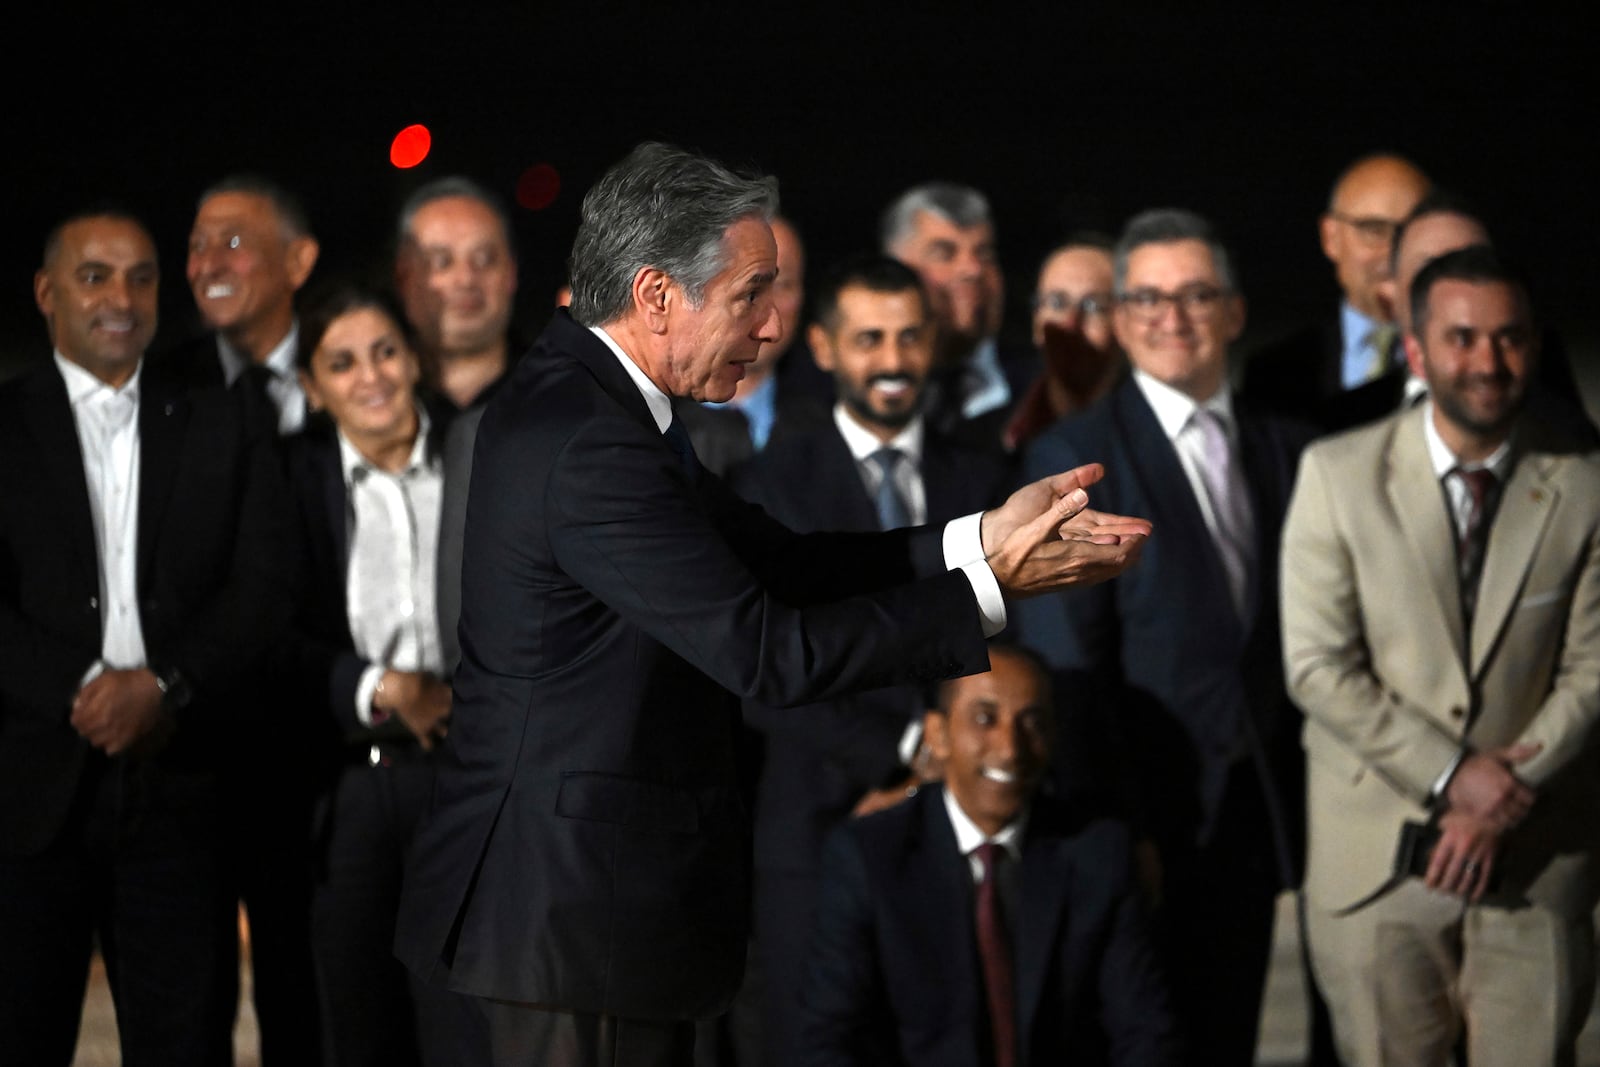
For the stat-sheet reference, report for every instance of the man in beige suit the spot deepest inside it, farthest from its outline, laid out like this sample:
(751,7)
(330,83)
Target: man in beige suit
(1442,634)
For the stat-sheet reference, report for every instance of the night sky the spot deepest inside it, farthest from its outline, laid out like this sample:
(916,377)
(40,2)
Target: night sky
(1067,115)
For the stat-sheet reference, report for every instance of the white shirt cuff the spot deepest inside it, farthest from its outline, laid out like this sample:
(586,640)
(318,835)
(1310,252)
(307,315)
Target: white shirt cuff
(910,741)
(364,690)
(96,669)
(1441,783)
(963,548)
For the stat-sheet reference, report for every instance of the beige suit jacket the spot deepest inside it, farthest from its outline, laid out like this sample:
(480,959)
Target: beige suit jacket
(1393,688)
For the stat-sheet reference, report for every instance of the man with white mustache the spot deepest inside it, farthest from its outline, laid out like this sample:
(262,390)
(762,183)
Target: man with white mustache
(875,464)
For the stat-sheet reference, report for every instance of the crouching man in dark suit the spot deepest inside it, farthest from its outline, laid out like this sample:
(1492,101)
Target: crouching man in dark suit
(981,922)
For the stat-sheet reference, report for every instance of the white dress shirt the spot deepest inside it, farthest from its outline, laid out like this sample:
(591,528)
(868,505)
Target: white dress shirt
(907,475)
(390,584)
(107,421)
(984,381)
(1175,412)
(284,388)
(963,538)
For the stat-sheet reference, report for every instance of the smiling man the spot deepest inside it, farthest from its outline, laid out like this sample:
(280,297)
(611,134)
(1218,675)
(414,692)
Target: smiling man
(1184,650)
(984,922)
(250,251)
(1466,704)
(876,464)
(140,580)
(583,870)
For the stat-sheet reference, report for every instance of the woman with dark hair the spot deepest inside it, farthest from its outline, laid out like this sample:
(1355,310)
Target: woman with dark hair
(368,482)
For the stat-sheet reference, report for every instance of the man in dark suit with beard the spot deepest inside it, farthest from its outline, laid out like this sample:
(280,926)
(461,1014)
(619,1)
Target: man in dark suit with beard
(583,869)
(876,464)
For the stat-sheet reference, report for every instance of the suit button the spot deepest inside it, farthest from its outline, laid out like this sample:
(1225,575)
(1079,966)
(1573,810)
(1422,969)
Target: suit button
(1458,712)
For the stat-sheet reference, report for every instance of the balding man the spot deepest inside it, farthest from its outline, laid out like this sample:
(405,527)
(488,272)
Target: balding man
(1310,373)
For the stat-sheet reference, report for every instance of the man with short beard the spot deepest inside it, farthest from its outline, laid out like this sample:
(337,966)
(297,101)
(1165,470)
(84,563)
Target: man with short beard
(876,465)
(1441,575)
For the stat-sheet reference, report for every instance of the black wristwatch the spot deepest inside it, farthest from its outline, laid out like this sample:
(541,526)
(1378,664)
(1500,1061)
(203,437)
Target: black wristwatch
(175,691)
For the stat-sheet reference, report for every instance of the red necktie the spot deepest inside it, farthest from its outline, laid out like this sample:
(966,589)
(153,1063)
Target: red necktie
(1482,486)
(994,952)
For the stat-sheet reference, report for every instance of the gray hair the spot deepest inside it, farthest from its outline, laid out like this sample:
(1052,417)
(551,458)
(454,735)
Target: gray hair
(449,188)
(1164,226)
(659,207)
(292,218)
(960,205)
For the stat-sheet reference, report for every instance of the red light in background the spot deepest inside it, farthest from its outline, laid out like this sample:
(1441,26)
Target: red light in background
(410,146)
(538,186)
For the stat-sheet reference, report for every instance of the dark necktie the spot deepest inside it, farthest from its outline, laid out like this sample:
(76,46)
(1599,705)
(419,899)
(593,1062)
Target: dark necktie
(1483,488)
(994,953)
(892,510)
(678,439)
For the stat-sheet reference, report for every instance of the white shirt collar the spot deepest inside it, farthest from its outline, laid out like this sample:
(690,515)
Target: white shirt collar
(351,460)
(81,384)
(659,403)
(280,361)
(862,443)
(969,837)
(1174,409)
(1444,460)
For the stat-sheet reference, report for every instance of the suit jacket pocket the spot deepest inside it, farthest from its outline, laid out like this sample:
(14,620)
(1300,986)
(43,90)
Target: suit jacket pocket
(1549,596)
(633,802)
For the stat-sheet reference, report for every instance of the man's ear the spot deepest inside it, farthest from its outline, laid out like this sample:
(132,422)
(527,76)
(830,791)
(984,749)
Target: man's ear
(1328,229)
(300,257)
(936,734)
(653,294)
(821,346)
(1414,356)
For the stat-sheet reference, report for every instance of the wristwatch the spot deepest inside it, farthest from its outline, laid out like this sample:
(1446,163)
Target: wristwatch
(175,691)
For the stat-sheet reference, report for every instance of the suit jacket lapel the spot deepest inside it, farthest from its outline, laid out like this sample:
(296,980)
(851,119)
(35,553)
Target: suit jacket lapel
(938,885)
(940,481)
(60,456)
(163,416)
(851,509)
(1159,470)
(1526,505)
(1419,506)
(594,354)
(1041,909)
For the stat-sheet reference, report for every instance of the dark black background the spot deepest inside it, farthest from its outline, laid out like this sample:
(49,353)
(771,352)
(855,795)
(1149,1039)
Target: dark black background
(1067,115)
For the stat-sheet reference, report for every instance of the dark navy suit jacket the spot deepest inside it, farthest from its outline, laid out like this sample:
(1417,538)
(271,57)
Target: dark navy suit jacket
(587,847)
(1186,688)
(894,977)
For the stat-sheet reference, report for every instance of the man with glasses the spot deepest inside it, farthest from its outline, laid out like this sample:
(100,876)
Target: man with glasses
(1177,664)
(1314,372)
(1072,331)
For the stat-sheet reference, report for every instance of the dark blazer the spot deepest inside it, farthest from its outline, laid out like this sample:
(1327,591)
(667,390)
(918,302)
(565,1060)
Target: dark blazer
(1300,376)
(212,589)
(894,977)
(821,758)
(587,848)
(1173,670)
(326,652)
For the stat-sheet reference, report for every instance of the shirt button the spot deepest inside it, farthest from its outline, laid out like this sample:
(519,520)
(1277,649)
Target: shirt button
(1458,712)
(406,609)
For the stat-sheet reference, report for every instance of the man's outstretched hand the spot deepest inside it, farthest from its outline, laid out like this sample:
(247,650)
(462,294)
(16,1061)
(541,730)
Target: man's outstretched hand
(1045,537)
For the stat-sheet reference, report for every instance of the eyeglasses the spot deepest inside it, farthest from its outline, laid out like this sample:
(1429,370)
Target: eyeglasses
(1197,302)
(1373,229)
(1060,303)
